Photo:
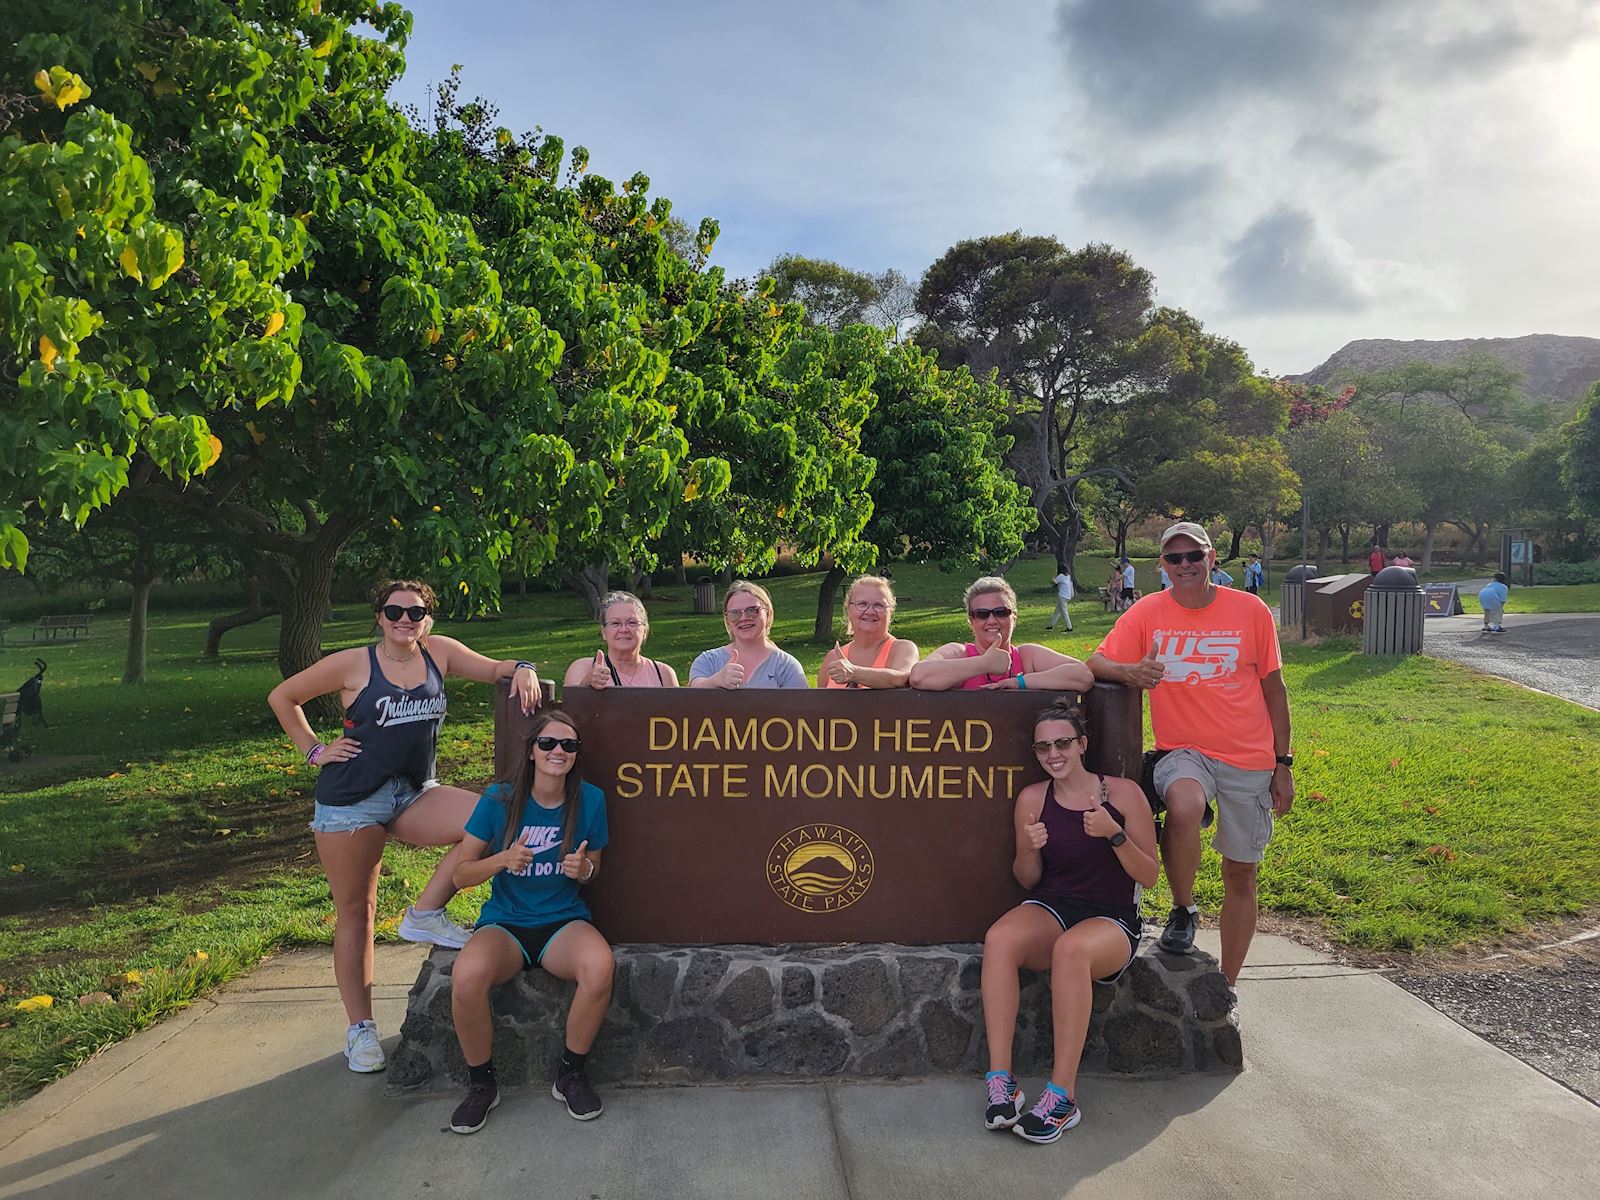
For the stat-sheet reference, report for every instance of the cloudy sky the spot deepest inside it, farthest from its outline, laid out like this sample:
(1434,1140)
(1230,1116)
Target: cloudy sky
(1296,174)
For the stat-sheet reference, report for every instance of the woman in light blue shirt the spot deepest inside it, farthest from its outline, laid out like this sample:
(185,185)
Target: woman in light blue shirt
(750,659)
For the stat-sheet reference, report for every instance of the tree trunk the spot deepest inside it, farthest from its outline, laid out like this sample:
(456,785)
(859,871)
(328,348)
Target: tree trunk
(680,573)
(1237,537)
(1344,544)
(1322,549)
(591,583)
(138,629)
(1427,547)
(643,585)
(255,609)
(303,581)
(1121,548)
(1266,530)
(827,601)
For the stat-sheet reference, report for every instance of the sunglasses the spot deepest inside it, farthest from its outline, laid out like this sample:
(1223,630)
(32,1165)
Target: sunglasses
(744,614)
(1061,744)
(1183,556)
(394,612)
(983,614)
(547,744)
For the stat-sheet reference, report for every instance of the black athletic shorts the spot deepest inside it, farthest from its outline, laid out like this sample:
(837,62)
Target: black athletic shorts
(1072,912)
(533,940)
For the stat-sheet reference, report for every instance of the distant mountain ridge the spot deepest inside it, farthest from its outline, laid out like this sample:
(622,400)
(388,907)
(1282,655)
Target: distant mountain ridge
(1552,364)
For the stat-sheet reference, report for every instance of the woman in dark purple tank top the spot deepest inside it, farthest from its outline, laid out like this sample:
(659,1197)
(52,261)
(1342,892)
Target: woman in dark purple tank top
(1085,846)
(376,781)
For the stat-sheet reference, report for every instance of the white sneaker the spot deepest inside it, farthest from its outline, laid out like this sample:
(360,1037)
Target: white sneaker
(362,1049)
(436,928)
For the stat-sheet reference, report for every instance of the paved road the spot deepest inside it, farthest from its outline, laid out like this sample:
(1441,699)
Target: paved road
(1557,653)
(1352,1087)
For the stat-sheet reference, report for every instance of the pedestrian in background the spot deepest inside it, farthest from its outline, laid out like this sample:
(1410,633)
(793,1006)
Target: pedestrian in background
(1493,597)
(1063,582)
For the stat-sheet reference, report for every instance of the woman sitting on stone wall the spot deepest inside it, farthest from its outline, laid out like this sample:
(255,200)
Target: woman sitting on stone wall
(624,625)
(546,828)
(871,658)
(990,660)
(1085,846)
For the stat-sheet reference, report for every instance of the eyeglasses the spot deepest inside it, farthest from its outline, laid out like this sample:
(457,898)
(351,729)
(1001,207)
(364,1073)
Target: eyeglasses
(630,623)
(1060,744)
(744,614)
(394,612)
(547,744)
(983,614)
(877,606)
(1184,556)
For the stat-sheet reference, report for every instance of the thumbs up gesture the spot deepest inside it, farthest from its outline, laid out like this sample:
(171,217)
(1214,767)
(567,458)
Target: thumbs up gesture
(732,675)
(840,668)
(572,866)
(1097,822)
(514,859)
(1149,670)
(1034,835)
(599,673)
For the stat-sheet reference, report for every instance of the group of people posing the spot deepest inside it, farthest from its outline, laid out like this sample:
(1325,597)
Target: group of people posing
(1085,844)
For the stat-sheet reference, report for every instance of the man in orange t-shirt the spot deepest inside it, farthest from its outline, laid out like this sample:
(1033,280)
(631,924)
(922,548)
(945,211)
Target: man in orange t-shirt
(1209,658)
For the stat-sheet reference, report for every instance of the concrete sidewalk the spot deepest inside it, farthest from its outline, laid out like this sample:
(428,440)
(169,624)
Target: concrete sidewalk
(1352,1088)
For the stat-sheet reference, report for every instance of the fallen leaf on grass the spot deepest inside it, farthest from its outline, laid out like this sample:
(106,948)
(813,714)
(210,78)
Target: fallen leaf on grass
(36,1003)
(1431,810)
(17,868)
(195,959)
(1320,753)
(89,999)
(1440,852)
(1394,764)
(1317,798)
(221,833)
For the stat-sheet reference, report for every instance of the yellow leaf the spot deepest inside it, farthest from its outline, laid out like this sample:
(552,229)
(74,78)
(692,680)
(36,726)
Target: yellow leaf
(432,334)
(148,70)
(449,362)
(395,521)
(135,977)
(35,1003)
(216,452)
(693,490)
(18,868)
(164,87)
(41,80)
(364,286)
(1320,753)
(274,323)
(48,353)
(129,258)
(256,435)
(115,775)
(224,832)
(304,217)
(463,586)
(322,48)
(435,508)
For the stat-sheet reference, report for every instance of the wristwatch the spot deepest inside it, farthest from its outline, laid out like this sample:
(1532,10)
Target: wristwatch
(1286,760)
(1119,837)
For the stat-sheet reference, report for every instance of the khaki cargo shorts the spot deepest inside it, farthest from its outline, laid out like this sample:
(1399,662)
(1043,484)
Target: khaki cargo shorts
(1243,800)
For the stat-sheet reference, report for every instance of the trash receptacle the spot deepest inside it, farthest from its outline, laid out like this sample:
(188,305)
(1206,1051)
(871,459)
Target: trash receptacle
(1291,595)
(1395,607)
(705,595)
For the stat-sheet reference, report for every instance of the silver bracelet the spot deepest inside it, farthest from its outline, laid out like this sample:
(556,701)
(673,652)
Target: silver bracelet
(590,875)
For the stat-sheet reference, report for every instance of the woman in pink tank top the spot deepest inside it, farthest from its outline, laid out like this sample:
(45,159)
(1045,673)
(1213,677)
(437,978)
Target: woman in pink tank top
(871,658)
(990,661)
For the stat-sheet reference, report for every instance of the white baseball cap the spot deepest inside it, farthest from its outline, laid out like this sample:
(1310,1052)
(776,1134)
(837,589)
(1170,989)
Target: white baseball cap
(1187,529)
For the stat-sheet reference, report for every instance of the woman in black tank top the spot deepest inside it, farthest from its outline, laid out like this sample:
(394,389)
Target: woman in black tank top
(376,780)
(624,625)
(1085,845)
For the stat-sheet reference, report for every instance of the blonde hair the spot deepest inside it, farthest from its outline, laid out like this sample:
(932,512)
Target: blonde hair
(624,598)
(990,583)
(755,589)
(871,581)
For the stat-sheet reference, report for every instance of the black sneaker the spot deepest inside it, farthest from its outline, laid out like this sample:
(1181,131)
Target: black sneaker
(473,1111)
(573,1088)
(1051,1116)
(1005,1100)
(1178,936)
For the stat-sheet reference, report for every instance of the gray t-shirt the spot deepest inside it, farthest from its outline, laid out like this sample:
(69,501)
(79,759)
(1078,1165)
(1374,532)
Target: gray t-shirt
(780,670)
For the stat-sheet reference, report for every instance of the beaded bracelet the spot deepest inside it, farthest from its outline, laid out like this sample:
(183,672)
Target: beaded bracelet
(313,753)
(521,663)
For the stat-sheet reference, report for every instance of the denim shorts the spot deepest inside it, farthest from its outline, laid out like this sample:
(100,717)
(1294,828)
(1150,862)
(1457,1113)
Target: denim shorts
(380,808)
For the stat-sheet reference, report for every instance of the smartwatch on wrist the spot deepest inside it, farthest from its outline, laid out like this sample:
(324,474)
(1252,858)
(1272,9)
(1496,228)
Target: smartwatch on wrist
(1286,760)
(1119,837)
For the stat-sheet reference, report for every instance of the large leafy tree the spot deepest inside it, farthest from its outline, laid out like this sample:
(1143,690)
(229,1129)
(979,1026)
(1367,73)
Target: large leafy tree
(1580,461)
(1068,333)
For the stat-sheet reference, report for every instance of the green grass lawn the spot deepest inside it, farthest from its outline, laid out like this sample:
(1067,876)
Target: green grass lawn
(1551,598)
(161,829)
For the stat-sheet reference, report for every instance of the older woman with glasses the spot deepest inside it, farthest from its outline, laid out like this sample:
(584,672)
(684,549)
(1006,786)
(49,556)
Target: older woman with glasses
(621,662)
(990,661)
(871,659)
(376,781)
(750,659)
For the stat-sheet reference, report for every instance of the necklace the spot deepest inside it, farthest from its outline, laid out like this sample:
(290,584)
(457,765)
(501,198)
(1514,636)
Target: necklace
(628,677)
(383,648)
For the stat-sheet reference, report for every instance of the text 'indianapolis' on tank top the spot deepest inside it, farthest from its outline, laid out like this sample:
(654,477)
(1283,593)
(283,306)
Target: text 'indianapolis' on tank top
(398,729)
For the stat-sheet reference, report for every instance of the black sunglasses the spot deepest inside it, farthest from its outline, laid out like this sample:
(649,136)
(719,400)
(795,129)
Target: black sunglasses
(1183,556)
(547,744)
(983,614)
(1061,744)
(394,612)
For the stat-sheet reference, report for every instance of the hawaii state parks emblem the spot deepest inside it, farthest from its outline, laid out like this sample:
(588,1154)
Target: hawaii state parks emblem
(820,867)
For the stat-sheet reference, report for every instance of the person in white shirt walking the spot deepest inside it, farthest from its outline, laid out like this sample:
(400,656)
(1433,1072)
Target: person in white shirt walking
(1063,582)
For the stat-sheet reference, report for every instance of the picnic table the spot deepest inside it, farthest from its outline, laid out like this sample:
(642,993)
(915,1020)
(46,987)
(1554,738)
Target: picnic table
(73,625)
(10,726)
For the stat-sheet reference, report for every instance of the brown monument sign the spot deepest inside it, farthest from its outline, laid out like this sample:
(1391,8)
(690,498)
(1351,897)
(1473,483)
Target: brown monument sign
(809,816)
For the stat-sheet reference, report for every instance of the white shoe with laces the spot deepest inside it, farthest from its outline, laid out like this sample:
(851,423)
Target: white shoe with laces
(362,1050)
(434,928)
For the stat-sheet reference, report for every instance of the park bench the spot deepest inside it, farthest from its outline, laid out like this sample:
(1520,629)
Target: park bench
(74,625)
(10,724)
(1105,597)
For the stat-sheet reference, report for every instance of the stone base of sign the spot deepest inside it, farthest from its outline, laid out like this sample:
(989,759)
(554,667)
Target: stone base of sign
(707,1013)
